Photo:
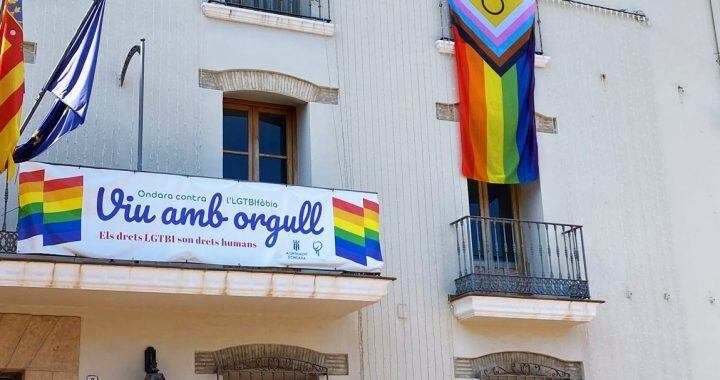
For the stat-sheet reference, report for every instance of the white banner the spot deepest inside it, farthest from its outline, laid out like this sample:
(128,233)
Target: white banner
(113,214)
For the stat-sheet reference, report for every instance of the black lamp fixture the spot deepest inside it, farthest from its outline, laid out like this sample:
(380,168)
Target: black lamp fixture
(151,367)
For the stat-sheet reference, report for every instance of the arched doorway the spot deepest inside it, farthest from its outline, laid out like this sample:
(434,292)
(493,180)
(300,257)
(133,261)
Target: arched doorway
(517,366)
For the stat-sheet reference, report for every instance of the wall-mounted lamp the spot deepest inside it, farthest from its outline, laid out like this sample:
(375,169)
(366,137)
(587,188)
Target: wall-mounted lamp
(151,367)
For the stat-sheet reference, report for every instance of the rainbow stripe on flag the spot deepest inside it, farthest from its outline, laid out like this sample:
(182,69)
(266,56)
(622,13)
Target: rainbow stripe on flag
(372,229)
(31,204)
(357,230)
(51,208)
(495,56)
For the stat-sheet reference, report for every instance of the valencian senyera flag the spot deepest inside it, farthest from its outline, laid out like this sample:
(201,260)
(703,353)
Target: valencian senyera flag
(12,82)
(72,86)
(495,54)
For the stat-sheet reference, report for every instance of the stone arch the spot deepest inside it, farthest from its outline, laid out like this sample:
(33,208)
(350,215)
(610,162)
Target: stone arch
(269,82)
(270,356)
(517,365)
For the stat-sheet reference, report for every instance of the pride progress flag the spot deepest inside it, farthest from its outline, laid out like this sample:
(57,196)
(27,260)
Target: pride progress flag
(495,54)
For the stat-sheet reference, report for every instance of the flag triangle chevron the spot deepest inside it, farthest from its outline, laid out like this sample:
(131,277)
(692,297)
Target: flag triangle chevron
(499,38)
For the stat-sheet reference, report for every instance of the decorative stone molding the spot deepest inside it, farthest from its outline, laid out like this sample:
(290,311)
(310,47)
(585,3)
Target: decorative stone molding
(43,347)
(253,356)
(29,50)
(547,124)
(447,112)
(272,20)
(448,47)
(267,81)
(539,309)
(451,112)
(517,364)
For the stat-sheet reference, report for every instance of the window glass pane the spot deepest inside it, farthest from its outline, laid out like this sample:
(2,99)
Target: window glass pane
(235,166)
(475,225)
(296,7)
(474,197)
(272,134)
(273,170)
(235,130)
(500,205)
(500,201)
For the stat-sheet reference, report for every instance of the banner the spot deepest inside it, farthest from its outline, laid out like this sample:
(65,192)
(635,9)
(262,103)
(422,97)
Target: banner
(123,215)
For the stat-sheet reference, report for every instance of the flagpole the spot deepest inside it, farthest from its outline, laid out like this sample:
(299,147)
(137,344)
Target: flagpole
(41,95)
(141,108)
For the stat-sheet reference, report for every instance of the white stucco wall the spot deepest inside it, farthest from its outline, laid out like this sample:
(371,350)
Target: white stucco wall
(634,161)
(113,339)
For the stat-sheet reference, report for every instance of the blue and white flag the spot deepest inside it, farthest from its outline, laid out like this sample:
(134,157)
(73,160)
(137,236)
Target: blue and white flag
(72,86)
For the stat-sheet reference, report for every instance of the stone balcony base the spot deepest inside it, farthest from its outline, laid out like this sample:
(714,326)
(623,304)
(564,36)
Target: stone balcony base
(478,307)
(267,19)
(67,283)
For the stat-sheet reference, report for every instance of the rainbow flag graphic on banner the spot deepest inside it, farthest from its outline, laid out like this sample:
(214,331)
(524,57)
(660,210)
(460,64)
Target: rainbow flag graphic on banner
(51,208)
(357,230)
(31,204)
(495,56)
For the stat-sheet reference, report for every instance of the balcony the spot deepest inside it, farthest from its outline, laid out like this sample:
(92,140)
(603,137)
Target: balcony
(304,16)
(85,271)
(318,10)
(521,269)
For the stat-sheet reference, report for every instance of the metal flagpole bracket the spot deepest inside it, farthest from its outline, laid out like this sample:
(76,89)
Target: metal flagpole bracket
(134,50)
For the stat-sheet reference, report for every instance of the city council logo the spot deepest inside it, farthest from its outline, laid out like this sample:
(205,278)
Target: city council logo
(296,253)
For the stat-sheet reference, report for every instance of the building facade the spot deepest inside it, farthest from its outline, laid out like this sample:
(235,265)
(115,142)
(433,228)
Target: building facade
(480,281)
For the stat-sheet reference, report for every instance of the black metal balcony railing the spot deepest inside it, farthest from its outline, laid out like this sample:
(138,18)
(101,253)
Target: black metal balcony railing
(506,256)
(310,9)
(446,32)
(8,241)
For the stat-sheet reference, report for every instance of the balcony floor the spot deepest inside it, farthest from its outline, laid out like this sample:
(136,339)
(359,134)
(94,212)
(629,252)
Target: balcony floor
(35,280)
(479,307)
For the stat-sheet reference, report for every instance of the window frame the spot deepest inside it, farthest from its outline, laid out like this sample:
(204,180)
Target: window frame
(484,199)
(517,265)
(254,109)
